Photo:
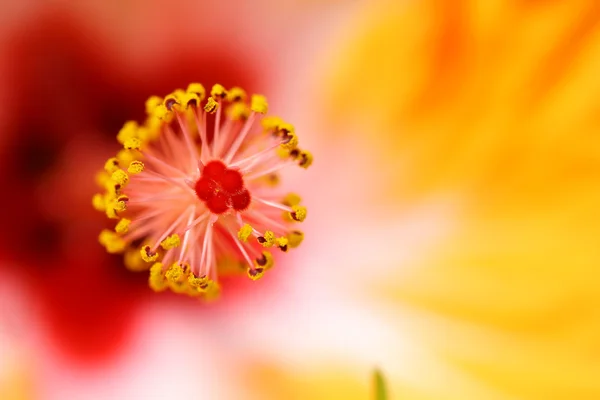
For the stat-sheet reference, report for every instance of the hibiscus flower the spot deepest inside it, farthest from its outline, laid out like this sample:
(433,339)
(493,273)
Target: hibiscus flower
(72,88)
(483,116)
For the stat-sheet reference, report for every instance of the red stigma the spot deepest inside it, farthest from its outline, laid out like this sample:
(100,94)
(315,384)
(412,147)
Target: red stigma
(221,188)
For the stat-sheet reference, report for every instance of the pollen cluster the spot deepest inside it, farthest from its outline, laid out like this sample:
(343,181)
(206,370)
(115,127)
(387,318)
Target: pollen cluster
(192,189)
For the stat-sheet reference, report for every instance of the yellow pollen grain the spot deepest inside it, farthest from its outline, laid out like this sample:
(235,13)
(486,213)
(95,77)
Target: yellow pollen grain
(197,89)
(291,199)
(259,104)
(189,99)
(271,123)
(147,254)
(211,105)
(298,213)
(111,213)
(305,159)
(291,141)
(171,242)
(128,131)
(218,91)
(282,243)
(152,103)
(244,232)
(98,202)
(236,94)
(285,128)
(156,280)
(125,156)
(115,246)
(295,238)
(134,262)
(255,273)
(174,272)
(111,242)
(120,177)
(111,165)
(266,261)
(101,178)
(123,226)
(162,113)
(105,236)
(283,152)
(200,283)
(238,111)
(268,239)
(121,203)
(212,291)
(132,144)
(172,101)
(135,167)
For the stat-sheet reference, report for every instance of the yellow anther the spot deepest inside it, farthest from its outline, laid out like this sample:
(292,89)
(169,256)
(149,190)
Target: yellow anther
(125,156)
(212,291)
(135,167)
(283,152)
(291,199)
(147,254)
(105,236)
(134,262)
(111,165)
(211,105)
(172,101)
(174,273)
(259,104)
(132,144)
(271,179)
(198,89)
(218,91)
(111,241)
(295,238)
(305,159)
(290,141)
(271,123)
(245,232)
(144,134)
(162,113)
(282,243)
(120,177)
(112,187)
(238,111)
(265,261)
(121,203)
(98,202)
(236,94)
(285,128)
(171,242)
(255,273)
(128,131)
(156,280)
(200,283)
(298,213)
(153,127)
(101,178)
(267,240)
(123,226)
(111,213)
(189,99)
(115,246)
(152,103)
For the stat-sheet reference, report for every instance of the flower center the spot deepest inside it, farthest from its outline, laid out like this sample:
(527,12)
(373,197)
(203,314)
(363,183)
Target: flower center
(222,188)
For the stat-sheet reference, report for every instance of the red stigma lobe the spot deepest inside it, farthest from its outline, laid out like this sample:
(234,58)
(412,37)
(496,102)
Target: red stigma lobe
(221,188)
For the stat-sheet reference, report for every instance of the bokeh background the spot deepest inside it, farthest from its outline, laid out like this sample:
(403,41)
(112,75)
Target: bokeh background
(454,218)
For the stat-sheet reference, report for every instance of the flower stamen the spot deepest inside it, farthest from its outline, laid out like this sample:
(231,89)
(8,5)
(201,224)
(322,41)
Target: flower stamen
(194,201)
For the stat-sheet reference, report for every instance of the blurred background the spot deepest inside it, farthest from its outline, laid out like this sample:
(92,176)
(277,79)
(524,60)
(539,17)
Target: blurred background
(452,237)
